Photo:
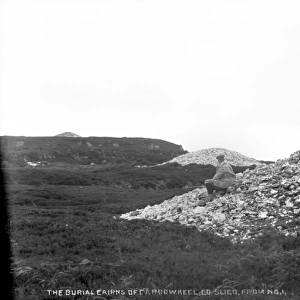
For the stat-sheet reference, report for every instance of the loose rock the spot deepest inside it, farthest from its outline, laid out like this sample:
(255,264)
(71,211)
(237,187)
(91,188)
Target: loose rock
(208,157)
(267,196)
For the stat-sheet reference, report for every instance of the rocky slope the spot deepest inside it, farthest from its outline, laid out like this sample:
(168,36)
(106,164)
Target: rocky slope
(266,196)
(208,156)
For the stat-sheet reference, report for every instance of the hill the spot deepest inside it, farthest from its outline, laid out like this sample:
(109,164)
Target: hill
(84,151)
(208,157)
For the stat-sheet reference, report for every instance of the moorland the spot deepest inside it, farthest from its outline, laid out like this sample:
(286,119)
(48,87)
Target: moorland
(66,235)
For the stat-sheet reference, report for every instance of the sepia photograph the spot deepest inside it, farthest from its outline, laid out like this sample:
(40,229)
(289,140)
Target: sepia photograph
(150,149)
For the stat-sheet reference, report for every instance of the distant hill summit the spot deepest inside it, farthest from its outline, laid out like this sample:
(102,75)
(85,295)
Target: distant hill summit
(208,157)
(68,134)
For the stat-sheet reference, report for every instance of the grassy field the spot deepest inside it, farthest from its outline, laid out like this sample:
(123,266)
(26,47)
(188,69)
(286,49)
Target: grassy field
(66,237)
(167,176)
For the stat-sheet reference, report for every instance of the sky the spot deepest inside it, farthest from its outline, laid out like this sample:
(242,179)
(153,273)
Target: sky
(201,74)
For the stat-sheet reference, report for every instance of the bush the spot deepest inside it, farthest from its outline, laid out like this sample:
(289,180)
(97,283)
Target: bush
(135,185)
(33,156)
(175,183)
(150,185)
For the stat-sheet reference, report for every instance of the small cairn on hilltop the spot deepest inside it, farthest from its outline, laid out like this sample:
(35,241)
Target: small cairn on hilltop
(267,196)
(67,134)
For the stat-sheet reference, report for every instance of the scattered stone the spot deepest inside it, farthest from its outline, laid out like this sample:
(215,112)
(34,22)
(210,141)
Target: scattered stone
(38,163)
(85,261)
(19,144)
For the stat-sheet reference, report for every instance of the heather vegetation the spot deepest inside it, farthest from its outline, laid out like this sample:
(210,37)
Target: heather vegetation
(66,234)
(66,237)
(167,176)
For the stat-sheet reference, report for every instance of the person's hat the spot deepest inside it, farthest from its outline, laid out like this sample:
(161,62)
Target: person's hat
(221,156)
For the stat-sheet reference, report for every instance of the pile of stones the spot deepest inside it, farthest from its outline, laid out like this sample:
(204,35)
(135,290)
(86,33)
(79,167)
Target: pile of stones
(208,157)
(268,196)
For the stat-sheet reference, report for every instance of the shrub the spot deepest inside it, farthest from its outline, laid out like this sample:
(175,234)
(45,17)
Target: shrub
(150,185)
(33,156)
(175,183)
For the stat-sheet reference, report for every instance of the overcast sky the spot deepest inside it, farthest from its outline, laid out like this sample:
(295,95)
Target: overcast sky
(196,73)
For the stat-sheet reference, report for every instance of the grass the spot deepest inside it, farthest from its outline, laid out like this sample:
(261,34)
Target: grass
(167,176)
(65,237)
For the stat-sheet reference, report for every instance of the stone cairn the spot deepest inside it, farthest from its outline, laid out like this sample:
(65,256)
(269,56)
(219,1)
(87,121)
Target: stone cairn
(268,196)
(208,157)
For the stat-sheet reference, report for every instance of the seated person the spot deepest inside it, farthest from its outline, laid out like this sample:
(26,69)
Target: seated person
(223,179)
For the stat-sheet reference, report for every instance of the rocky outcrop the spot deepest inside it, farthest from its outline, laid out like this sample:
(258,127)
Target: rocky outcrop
(208,157)
(268,196)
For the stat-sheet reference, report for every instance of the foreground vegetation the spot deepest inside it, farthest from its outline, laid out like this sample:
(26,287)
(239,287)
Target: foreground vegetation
(68,238)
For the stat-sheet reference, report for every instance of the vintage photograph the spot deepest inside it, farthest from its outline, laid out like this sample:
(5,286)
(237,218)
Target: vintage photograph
(150,149)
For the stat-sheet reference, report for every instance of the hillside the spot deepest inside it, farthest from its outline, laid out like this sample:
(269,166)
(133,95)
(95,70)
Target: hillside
(208,156)
(22,151)
(66,230)
(102,161)
(268,196)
